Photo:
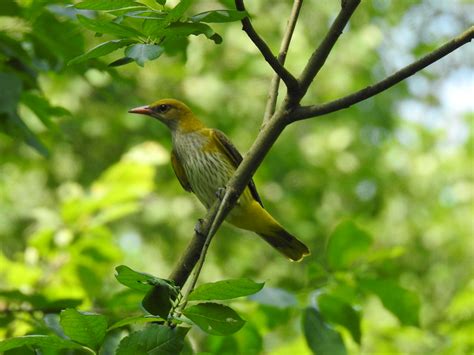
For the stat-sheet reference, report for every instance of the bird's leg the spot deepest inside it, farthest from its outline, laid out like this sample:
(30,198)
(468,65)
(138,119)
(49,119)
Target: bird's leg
(198,227)
(220,192)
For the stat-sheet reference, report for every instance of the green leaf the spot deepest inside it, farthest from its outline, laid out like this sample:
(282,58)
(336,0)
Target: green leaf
(159,300)
(154,339)
(214,318)
(38,341)
(14,126)
(139,281)
(219,16)
(121,61)
(347,244)
(85,328)
(161,2)
(402,303)
(225,290)
(143,52)
(42,109)
(107,4)
(135,320)
(275,297)
(178,11)
(101,50)
(102,26)
(321,338)
(10,87)
(188,28)
(337,311)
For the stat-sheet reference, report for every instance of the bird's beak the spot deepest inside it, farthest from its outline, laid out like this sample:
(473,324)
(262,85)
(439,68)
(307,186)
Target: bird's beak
(142,110)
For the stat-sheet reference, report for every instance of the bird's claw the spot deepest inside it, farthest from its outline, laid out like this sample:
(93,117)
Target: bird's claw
(220,192)
(198,227)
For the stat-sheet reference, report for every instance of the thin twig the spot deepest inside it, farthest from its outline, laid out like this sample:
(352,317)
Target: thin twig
(288,78)
(305,112)
(319,56)
(285,44)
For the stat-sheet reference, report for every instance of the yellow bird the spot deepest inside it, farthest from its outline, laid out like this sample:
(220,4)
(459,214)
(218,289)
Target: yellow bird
(203,160)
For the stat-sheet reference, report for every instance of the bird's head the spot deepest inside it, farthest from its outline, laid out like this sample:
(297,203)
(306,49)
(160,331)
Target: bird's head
(173,113)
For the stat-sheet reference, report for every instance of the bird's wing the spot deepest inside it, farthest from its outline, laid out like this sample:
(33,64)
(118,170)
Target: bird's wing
(235,157)
(179,171)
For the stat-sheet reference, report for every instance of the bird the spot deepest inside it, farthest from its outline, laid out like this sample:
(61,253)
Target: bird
(204,160)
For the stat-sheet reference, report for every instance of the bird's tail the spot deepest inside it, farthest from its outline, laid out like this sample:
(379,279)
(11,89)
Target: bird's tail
(286,244)
(255,218)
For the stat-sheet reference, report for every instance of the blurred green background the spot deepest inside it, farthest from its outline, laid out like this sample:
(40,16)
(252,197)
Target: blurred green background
(400,166)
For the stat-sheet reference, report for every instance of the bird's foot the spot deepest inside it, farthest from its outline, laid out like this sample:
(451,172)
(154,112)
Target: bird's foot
(198,227)
(220,192)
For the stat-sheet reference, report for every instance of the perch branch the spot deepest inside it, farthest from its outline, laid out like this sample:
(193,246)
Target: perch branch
(289,80)
(372,90)
(285,44)
(319,56)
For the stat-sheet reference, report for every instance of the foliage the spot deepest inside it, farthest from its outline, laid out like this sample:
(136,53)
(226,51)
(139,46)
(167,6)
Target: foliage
(393,276)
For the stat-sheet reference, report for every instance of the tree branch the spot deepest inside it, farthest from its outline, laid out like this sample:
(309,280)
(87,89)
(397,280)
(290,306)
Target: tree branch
(304,112)
(288,78)
(285,44)
(319,56)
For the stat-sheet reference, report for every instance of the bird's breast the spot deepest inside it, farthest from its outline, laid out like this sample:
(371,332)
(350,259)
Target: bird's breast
(207,169)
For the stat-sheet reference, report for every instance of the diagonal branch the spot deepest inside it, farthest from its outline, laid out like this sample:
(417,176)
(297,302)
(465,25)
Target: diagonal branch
(372,90)
(319,56)
(288,78)
(285,44)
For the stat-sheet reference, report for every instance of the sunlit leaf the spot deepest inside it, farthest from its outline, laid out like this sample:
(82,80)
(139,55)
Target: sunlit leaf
(214,318)
(226,289)
(154,339)
(404,304)
(321,338)
(85,328)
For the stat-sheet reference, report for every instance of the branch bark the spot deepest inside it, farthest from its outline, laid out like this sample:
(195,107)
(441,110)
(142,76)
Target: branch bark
(305,112)
(319,56)
(289,112)
(285,44)
(288,78)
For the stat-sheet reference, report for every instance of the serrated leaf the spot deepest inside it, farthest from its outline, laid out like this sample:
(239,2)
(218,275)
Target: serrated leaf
(402,303)
(225,290)
(214,318)
(38,341)
(337,311)
(134,320)
(154,339)
(107,4)
(101,50)
(320,337)
(85,328)
(103,26)
(347,244)
(219,16)
(142,53)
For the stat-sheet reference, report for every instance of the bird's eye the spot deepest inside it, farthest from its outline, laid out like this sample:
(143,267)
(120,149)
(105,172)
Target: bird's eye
(163,108)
